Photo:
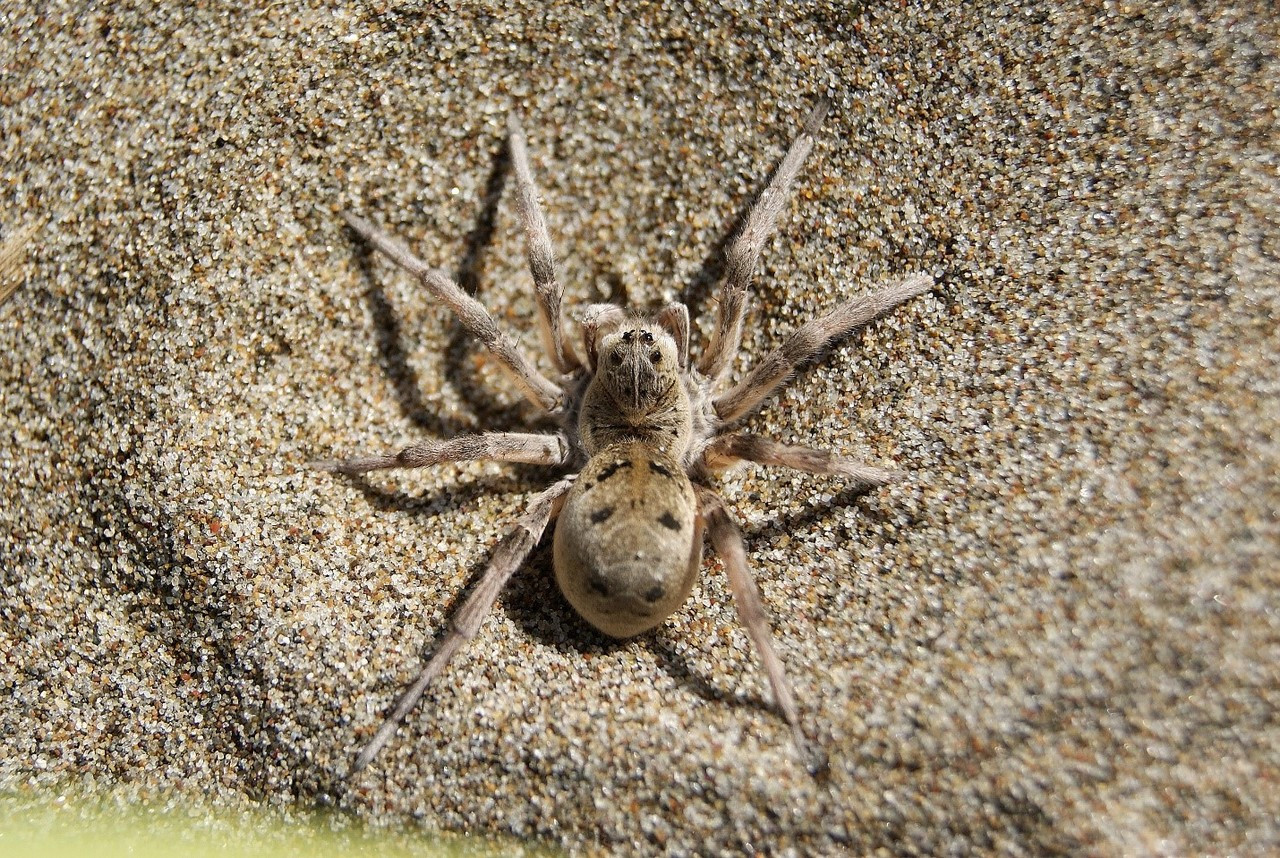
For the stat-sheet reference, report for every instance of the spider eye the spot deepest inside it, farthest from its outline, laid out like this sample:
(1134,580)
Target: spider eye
(627,336)
(647,338)
(655,357)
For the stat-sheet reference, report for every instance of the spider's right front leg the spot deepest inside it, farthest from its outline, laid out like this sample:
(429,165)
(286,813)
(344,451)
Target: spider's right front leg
(523,447)
(507,558)
(471,314)
(542,259)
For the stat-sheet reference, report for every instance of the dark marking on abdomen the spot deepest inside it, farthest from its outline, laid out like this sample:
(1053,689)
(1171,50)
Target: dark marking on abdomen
(598,583)
(667,520)
(659,468)
(601,514)
(610,470)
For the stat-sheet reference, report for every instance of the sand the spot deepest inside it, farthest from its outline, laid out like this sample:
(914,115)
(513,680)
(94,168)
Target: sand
(1056,633)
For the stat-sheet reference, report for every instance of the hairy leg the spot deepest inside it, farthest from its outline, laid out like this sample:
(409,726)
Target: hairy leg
(740,261)
(542,260)
(507,557)
(495,446)
(470,313)
(727,450)
(727,540)
(810,339)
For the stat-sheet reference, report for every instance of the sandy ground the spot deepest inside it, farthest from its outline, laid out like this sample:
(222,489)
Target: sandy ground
(1057,632)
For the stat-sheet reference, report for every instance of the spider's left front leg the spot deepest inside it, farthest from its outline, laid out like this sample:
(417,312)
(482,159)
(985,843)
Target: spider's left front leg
(728,450)
(744,253)
(809,340)
(507,558)
(727,539)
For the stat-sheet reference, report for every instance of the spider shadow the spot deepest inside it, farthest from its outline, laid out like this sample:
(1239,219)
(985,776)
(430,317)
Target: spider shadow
(673,663)
(459,372)
(534,602)
(811,514)
(532,599)
(697,294)
(456,494)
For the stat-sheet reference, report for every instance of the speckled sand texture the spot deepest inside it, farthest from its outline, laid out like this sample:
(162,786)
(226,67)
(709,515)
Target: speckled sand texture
(1059,632)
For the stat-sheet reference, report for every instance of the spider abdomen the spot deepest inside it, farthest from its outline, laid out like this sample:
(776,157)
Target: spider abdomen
(627,543)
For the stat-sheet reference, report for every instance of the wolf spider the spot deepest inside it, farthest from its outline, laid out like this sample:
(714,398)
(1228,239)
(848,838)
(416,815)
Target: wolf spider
(643,428)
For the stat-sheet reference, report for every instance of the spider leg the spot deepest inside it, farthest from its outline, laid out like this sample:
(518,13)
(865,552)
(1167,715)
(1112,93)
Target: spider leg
(507,557)
(729,449)
(494,446)
(470,312)
(727,539)
(740,261)
(811,338)
(542,260)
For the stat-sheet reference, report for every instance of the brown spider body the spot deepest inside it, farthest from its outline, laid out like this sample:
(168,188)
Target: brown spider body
(648,426)
(627,544)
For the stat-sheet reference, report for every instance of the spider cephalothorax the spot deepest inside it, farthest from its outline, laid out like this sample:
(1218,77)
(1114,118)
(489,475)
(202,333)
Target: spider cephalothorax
(645,428)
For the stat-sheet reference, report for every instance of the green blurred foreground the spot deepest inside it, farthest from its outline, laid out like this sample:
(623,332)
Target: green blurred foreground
(54,826)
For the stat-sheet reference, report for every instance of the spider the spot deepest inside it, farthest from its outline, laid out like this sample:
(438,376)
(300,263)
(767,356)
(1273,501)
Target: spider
(643,429)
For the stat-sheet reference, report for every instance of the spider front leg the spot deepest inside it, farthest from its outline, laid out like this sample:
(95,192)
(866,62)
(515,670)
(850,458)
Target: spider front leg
(507,558)
(727,540)
(811,338)
(471,314)
(728,450)
(740,261)
(542,260)
(520,447)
